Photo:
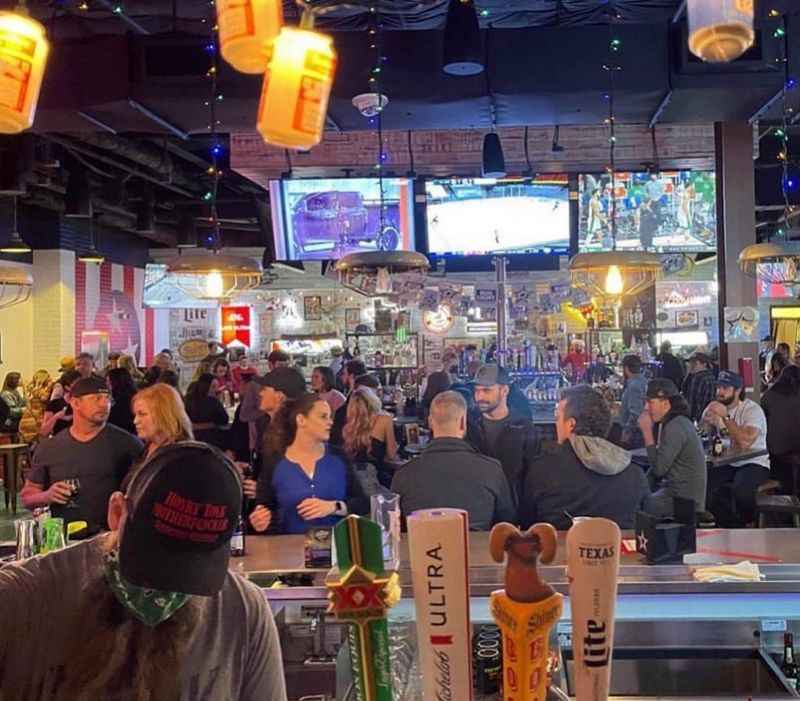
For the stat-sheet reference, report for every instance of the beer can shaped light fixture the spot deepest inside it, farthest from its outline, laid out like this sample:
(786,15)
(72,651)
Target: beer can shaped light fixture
(247,29)
(720,30)
(23,57)
(297,86)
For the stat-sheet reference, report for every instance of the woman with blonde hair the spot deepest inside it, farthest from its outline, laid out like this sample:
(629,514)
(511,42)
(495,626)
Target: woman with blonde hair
(126,362)
(38,392)
(160,418)
(369,433)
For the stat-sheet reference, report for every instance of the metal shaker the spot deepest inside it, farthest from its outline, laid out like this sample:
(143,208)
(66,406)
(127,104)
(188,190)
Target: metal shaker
(27,538)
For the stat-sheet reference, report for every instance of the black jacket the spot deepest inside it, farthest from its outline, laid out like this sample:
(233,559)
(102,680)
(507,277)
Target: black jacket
(602,483)
(516,448)
(452,474)
(782,411)
(672,368)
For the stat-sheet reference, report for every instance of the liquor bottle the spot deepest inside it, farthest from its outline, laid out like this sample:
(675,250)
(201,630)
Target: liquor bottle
(237,539)
(789,666)
(717,448)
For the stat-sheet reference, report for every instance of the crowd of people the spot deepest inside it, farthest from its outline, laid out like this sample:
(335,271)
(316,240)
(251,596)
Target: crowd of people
(309,455)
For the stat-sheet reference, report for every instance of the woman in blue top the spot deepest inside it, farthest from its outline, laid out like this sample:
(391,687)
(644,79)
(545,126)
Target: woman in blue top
(311,485)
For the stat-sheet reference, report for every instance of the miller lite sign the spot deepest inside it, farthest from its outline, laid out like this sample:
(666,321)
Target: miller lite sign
(438,548)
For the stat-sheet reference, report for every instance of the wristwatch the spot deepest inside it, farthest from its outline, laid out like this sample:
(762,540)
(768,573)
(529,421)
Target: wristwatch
(341,508)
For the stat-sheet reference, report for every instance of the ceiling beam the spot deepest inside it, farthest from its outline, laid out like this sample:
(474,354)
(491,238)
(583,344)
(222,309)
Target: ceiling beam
(679,12)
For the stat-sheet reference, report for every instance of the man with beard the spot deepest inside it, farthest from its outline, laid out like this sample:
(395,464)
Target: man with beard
(498,431)
(150,610)
(77,470)
(746,423)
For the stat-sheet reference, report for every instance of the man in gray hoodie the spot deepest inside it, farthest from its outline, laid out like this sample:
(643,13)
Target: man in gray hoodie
(588,476)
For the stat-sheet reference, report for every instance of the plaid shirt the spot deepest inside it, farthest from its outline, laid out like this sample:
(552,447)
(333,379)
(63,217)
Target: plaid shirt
(699,389)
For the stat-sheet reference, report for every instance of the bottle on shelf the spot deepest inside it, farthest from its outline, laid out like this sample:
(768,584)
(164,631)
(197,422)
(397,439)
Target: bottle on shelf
(788,665)
(238,538)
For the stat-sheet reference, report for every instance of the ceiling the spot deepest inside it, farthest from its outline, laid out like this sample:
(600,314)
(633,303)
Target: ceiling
(127,90)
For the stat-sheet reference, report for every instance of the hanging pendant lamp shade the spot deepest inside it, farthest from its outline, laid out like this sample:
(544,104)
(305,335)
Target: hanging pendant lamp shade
(247,29)
(463,54)
(15,244)
(614,273)
(776,263)
(720,30)
(23,56)
(15,285)
(294,97)
(494,163)
(214,276)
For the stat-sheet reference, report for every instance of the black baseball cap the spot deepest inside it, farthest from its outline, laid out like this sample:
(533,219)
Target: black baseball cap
(491,374)
(662,388)
(183,507)
(290,381)
(89,385)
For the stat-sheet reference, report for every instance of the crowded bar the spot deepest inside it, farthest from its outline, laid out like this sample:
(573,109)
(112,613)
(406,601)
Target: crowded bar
(393,350)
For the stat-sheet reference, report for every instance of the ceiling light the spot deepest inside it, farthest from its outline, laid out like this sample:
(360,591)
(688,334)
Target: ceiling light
(494,164)
(462,40)
(15,285)
(15,244)
(615,273)
(214,276)
(720,30)
(92,256)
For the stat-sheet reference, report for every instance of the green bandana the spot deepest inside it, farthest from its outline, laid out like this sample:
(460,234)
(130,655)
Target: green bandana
(150,606)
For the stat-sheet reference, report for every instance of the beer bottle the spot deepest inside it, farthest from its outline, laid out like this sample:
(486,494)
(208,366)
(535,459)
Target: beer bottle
(237,539)
(789,666)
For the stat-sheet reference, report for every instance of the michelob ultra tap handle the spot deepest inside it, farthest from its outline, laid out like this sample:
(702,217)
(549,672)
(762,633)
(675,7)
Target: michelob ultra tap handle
(593,547)
(526,609)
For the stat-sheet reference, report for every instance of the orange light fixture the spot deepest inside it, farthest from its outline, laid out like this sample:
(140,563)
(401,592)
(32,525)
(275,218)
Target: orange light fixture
(247,29)
(720,30)
(297,86)
(23,57)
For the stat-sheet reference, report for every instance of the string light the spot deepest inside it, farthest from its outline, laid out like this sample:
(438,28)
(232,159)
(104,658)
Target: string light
(213,239)
(790,178)
(375,84)
(612,68)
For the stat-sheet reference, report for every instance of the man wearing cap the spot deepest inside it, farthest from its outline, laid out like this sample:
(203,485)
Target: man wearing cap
(700,385)
(281,385)
(746,423)
(499,432)
(77,470)
(149,610)
(677,460)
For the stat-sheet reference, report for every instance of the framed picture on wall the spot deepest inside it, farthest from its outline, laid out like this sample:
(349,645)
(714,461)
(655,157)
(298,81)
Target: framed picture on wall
(312,308)
(352,318)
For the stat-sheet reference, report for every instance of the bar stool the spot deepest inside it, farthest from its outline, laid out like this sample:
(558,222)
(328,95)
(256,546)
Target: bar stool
(15,456)
(767,502)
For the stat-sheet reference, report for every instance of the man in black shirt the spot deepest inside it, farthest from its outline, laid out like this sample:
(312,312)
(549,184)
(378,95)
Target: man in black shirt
(498,431)
(75,472)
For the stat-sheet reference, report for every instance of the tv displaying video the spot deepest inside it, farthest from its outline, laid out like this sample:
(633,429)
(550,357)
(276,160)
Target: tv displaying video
(481,216)
(320,219)
(667,212)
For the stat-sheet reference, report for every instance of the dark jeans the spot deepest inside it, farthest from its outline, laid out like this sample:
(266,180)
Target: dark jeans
(732,493)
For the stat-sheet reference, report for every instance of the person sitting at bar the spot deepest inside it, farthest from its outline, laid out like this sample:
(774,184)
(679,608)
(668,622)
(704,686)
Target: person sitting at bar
(589,475)
(452,474)
(499,432)
(120,384)
(632,402)
(746,423)
(223,381)
(781,405)
(699,387)
(369,433)
(14,400)
(144,612)
(676,459)
(76,471)
(323,382)
(209,418)
(352,370)
(311,485)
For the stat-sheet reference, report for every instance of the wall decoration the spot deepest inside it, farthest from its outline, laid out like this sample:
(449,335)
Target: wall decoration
(312,308)
(438,321)
(687,319)
(486,296)
(430,300)
(352,318)
(741,324)
(236,326)
(96,343)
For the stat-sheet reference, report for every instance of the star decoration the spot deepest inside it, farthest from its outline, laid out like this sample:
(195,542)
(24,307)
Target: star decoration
(360,596)
(641,542)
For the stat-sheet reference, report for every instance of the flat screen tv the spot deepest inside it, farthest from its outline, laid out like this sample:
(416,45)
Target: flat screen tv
(480,216)
(667,212)
(320,219)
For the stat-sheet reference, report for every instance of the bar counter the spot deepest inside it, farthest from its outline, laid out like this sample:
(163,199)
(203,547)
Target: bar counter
(775,551)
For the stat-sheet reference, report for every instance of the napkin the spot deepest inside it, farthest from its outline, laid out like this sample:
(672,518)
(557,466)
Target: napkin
(742,572)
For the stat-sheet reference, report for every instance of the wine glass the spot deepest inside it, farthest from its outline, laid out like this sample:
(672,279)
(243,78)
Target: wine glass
(75,485)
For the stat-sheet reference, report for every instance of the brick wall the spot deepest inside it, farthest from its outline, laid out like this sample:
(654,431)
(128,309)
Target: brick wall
(53,308)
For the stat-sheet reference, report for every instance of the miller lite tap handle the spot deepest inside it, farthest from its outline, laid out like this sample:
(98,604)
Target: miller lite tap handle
(522,582)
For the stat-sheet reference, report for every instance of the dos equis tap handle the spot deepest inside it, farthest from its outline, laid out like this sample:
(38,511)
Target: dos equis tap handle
(526,609)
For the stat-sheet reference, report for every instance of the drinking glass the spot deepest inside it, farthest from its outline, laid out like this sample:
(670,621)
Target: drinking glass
(75,485)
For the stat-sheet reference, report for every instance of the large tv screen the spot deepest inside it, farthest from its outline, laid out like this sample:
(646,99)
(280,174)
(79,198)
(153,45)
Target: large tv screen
(481,215)
(328,218)
(670,211)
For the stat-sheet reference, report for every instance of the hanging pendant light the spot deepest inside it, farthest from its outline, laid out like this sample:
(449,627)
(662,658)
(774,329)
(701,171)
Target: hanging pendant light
(92,256)
(462,40)
(614,283)
(23,56)
(247,29)
(297,86)
(615,274)
(494,163)
(720,30)
(15,243)
(214,276)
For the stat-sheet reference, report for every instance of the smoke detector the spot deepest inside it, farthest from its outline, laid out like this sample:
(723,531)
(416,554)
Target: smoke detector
(370,103)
